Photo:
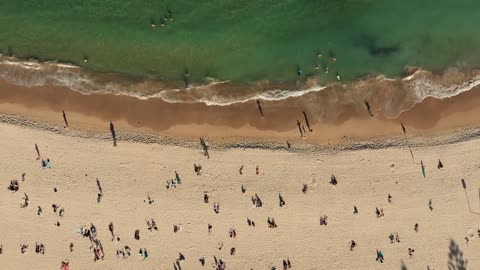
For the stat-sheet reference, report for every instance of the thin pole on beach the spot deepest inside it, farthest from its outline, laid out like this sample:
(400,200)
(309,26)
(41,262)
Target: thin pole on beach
(464,185)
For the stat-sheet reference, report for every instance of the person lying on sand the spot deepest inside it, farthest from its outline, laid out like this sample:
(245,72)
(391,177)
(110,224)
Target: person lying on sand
(23,248)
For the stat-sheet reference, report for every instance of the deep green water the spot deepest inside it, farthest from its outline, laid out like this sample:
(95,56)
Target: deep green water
(244,40)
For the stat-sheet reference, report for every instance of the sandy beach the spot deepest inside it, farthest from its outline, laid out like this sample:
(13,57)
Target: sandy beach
(368,156)
(239,135)
(132,171)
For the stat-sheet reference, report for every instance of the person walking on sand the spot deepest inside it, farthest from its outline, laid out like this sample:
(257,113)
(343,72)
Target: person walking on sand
(281,200)
(352,245)
(440,165)
(110,228)
(304,188)
(380,257)
(333,180)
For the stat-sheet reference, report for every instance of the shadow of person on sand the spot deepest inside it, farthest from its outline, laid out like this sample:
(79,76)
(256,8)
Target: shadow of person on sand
(114,135)
(456,261)
(65,118)
(455,257)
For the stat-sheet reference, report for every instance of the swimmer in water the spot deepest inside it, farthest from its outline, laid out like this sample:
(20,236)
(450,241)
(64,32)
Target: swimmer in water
(332,57)
(338,77)
(299,72)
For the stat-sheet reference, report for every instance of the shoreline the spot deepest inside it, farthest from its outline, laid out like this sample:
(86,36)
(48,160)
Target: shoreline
(432,122)
(404,92)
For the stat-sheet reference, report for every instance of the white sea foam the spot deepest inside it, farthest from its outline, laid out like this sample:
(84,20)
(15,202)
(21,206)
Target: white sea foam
(33,73)
(218,100)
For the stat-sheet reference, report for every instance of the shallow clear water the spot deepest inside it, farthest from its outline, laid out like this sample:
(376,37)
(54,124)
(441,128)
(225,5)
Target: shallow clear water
(244,40)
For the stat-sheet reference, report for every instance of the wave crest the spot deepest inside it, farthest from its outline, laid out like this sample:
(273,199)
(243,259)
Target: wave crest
(390,95)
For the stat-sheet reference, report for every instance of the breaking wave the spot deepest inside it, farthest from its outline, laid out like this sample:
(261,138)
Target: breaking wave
(390,95)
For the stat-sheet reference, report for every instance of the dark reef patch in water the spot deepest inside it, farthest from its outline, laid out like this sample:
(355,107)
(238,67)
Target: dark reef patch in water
(373,45)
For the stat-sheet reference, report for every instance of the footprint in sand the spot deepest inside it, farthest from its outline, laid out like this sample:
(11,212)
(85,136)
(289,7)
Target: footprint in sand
(123,165)
(365,161)
(471,233)
(314,181)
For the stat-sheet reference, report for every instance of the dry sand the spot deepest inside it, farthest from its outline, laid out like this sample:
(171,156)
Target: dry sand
(132,170)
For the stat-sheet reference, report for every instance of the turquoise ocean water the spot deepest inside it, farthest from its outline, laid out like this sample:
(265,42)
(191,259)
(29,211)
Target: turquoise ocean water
(243,40)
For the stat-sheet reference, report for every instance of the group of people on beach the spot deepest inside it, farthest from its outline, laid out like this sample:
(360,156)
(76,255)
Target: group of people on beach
(124,251)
